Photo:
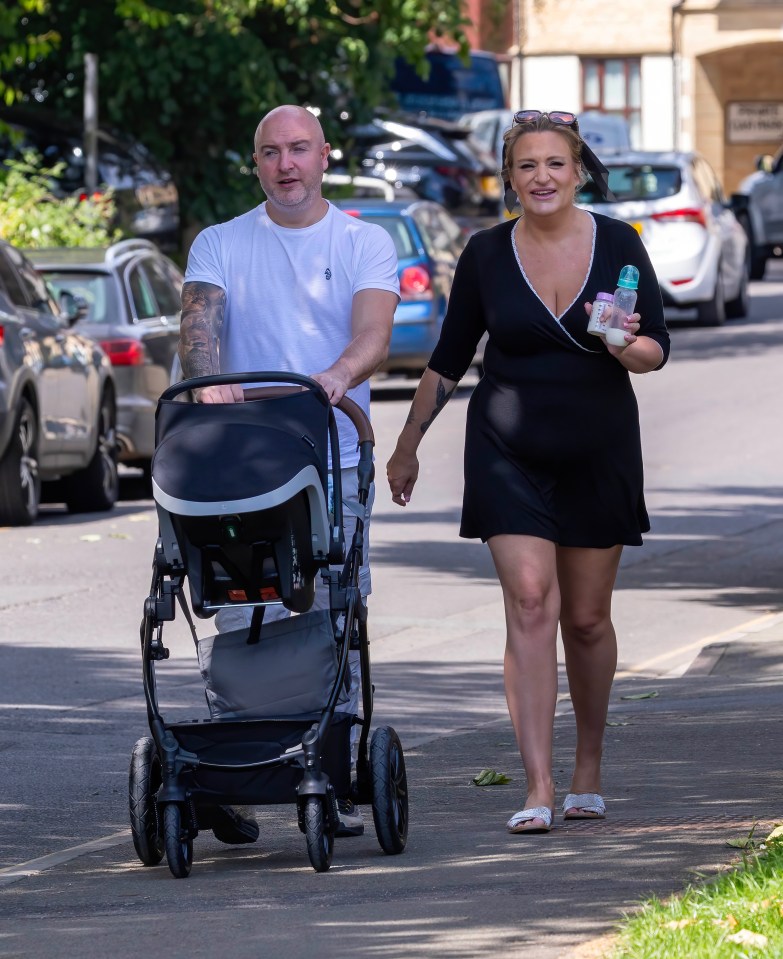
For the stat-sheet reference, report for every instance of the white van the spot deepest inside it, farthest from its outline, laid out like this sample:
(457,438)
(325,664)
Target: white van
(605,132)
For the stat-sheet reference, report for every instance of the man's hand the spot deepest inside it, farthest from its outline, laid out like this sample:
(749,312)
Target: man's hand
(334,385)
(233,393)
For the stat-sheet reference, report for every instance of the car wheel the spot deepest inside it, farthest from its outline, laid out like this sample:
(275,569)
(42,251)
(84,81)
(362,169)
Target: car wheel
(20,484)
(739,306)
(713,311)
(96,487)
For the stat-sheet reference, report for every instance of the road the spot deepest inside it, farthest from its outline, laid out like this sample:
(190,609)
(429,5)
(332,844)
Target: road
(71,593)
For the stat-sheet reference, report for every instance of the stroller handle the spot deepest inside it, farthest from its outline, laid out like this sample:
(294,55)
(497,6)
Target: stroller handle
(292,383)
(352,410)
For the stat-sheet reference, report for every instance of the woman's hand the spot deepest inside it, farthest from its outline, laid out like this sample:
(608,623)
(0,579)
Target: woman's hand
(402,471)
(631,325)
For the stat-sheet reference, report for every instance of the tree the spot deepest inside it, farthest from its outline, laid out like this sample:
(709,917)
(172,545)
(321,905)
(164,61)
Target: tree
(191,78)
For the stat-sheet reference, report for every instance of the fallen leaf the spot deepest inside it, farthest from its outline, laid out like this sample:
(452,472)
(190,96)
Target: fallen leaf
(488,777)
(90,538)
(651,695)
(679,923)
(35,540)
(139,518)
(747,938)
(776,835)
(118,536)
(608,723)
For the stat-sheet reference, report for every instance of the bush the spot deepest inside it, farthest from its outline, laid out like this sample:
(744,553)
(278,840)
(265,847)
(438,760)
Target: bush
(31,216)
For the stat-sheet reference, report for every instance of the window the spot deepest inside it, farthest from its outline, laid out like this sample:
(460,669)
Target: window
(167,295)
(144,305)
(614,87)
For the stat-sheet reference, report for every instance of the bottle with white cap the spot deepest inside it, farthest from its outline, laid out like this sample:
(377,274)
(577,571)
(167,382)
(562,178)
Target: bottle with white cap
(623,306)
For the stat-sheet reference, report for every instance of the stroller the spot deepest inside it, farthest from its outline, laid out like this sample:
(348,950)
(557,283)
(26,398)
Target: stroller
(242,496)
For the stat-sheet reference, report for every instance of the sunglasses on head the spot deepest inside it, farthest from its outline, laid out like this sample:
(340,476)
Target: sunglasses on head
(556,116)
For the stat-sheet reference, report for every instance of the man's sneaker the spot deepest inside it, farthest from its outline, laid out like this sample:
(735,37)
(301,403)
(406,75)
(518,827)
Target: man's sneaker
(233,824)
(351,822)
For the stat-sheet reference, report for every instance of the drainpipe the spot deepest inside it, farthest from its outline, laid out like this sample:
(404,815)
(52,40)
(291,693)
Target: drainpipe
(677,17)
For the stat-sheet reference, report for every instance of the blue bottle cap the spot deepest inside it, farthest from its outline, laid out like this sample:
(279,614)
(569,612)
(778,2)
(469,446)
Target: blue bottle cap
(629,278)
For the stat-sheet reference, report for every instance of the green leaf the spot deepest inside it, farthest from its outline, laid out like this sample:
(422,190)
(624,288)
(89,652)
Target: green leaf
(489,777)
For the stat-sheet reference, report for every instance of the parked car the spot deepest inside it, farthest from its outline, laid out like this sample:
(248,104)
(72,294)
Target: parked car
(145,194)
(434,158)
(129,296)
(759,206)
(428,241)
(696,244)
(57,401)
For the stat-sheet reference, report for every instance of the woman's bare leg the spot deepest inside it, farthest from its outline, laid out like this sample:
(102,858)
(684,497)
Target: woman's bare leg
(587,578)
(526,567)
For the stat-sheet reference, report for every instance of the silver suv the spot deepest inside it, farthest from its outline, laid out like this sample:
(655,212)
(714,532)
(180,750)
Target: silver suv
(57,402)
(129,302)
(759,206)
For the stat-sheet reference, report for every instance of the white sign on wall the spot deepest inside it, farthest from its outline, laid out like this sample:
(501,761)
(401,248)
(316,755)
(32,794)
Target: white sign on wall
(754,122)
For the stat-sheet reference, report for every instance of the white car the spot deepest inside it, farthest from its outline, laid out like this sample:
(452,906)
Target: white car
(696,244)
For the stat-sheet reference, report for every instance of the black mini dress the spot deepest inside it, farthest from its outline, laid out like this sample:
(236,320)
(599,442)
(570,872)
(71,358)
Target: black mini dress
(552,441)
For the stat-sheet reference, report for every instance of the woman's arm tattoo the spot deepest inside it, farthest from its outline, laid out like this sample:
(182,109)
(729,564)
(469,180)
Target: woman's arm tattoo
(203,305)
(442,396)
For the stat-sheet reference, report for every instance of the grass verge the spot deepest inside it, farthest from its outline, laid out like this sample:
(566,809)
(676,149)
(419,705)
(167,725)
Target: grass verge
(739,914)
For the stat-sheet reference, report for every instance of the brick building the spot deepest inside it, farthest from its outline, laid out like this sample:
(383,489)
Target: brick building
(693,74)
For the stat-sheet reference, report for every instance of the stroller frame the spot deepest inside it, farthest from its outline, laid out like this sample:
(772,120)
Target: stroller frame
(190,766)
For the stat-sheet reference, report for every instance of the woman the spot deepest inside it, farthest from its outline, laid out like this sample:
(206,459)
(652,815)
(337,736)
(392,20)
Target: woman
(553,466)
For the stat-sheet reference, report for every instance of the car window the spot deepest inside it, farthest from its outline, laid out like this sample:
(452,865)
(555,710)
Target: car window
(398,230)
(707,181)
(636,182)
(163,289)
(29,289)
(11,282)
(97,290)
(144,305)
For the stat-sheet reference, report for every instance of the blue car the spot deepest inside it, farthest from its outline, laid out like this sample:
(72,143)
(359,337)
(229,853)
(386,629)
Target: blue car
(428,241)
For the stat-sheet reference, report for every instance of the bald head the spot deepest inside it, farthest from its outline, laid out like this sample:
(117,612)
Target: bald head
(291,157)
(290,114)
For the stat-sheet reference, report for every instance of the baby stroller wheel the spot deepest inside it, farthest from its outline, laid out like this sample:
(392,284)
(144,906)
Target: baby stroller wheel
(179,843)
(144,782)
(389,790)
(320,840)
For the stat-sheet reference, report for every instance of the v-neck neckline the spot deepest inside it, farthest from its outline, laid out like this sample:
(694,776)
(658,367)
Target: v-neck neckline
(555,317)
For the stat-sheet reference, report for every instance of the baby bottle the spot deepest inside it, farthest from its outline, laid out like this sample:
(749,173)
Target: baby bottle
(624,303)
(602,306)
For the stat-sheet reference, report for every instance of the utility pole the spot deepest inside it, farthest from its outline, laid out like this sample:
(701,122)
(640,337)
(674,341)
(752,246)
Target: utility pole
(91,123)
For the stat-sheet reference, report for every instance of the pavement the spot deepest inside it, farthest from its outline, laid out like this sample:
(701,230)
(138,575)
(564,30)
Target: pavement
(691,761)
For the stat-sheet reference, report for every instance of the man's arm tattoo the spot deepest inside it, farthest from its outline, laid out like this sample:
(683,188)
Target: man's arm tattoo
(442,396)
(202,317)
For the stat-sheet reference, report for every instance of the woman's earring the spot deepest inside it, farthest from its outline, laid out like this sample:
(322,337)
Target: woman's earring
(510,199)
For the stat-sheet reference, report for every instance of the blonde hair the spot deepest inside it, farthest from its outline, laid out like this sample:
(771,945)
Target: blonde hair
(543,124)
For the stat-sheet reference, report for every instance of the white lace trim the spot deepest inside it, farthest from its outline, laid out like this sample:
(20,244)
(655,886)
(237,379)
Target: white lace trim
(557,319)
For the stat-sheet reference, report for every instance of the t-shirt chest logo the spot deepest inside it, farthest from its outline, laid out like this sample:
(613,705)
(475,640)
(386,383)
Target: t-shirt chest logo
(328,273)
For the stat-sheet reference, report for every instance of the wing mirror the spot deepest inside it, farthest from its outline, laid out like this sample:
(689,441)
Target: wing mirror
(72,307)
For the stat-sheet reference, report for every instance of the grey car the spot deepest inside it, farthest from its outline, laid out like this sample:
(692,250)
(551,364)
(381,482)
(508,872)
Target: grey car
(57,402)
(129,295)
(759,205)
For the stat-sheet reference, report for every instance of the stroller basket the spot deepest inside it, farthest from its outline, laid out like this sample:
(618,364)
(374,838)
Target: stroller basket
(241,491)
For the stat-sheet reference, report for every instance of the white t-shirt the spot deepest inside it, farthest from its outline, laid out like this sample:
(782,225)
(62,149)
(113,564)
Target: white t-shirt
(289,293)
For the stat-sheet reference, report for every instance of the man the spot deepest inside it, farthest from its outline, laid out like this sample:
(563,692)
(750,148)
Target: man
(294,285)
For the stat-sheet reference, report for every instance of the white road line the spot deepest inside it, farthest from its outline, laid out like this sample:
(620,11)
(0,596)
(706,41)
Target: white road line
(35,866)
